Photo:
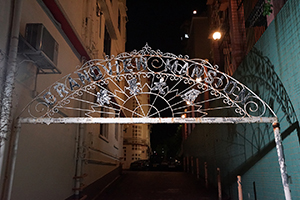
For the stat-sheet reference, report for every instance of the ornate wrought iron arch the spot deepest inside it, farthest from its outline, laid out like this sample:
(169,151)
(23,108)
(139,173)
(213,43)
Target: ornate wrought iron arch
(119,90)
(150,85)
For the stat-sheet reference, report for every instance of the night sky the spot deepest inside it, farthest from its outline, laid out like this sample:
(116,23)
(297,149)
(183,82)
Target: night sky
(157,22)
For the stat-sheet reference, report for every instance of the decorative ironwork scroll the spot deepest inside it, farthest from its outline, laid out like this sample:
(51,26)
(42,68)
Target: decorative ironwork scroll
(148,83)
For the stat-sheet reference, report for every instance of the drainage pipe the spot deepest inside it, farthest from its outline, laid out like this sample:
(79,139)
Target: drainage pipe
(219,184)
(8,189)
(79,160)
(6,101)
(79,156)
(206,175)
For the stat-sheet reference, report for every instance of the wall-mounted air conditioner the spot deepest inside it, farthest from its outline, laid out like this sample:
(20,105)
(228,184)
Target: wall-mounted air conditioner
(40,47)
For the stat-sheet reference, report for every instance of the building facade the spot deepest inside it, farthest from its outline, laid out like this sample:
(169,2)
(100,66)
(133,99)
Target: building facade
(53,38)
(137,137)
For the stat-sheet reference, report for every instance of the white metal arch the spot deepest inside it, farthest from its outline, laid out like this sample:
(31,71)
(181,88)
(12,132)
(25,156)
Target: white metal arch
(182,85)
(150,86)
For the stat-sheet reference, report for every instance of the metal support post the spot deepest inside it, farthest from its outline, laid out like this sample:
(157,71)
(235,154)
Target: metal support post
(219,184)
(281,160)
(240,189)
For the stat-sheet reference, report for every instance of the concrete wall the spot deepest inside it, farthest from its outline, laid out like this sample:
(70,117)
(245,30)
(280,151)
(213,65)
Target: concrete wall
(271,70)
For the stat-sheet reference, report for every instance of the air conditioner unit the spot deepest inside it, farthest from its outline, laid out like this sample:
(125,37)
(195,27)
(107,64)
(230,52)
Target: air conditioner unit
(40,47)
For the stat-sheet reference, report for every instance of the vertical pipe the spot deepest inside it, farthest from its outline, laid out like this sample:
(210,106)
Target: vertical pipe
(78,175)
(197,168)
(192,164)
(6,98)
(187,164)
(79,158)
(219,184)
(254,190)
(206,175)
(7,189)
(281,160)
(240,190)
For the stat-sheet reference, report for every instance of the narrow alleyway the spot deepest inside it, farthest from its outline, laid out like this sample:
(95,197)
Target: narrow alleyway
(146,185)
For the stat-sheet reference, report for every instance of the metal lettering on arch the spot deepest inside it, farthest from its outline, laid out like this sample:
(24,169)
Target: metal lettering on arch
(149,84)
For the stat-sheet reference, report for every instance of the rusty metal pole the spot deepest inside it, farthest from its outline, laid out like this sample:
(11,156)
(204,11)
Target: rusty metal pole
(240,189)
(281,160)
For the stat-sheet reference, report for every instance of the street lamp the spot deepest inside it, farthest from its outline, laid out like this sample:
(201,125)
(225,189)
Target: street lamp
(217,35)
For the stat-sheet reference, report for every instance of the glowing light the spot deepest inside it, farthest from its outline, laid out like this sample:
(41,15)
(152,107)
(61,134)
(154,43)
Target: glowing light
(217,35)
(183,116)
(188,103)
(186,35)
(195,12)
(198,80)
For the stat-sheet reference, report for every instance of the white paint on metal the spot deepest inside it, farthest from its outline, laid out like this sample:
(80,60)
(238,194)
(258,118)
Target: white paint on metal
(281,160)
(146,120)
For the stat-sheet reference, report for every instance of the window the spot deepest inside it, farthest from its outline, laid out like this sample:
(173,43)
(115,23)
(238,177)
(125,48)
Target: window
(119,21)
(107,42)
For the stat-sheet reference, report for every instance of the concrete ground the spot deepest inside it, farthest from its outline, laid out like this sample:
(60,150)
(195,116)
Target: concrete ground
(157,185)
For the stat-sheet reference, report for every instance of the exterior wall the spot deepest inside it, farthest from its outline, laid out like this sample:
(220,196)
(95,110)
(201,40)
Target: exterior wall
(136,144)
(46,158)
(228,18)
(271,71)
(199,32)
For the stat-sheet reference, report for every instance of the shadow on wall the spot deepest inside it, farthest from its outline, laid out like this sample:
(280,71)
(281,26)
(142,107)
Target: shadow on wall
(237,148)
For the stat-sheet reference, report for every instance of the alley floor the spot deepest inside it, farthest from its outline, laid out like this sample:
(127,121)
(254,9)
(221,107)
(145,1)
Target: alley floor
(157,185)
